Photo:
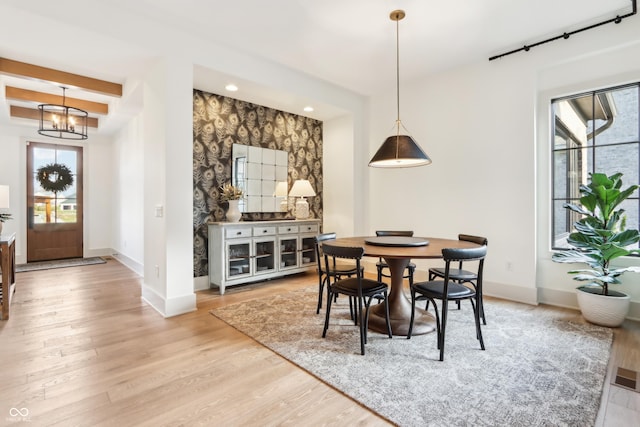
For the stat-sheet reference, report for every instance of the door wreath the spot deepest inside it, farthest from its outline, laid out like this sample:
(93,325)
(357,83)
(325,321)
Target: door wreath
(55,177)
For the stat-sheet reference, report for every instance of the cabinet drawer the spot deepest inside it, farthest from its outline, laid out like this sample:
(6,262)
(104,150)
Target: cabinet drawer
(309,228)
(288,229)
(263,231)
(232,233)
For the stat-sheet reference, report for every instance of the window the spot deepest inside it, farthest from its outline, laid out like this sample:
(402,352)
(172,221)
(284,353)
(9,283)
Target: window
(597,131)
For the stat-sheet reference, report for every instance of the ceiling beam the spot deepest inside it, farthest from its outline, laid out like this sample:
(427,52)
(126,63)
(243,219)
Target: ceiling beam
(34,114)
(47,98)
(62,78)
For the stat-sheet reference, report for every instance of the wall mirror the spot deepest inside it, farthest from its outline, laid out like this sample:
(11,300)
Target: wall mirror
(257,171)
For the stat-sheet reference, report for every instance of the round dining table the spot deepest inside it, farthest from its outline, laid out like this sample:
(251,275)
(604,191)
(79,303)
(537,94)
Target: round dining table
(397,252)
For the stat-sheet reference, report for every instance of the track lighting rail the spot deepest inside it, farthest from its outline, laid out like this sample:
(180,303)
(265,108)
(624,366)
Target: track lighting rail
(618,19)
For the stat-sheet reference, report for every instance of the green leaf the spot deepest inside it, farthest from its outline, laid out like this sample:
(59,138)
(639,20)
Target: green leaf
(626,238)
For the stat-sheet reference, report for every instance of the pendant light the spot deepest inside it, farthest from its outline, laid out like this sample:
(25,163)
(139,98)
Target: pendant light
(399,150)
(62,121)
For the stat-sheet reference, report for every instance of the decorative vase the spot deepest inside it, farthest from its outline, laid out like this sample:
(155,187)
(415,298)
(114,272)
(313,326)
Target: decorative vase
(233,214)
(603,310)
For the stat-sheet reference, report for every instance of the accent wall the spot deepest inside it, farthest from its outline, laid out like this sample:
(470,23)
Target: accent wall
(218,123)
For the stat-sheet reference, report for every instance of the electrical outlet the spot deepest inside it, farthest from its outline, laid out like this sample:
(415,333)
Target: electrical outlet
(509,266)
(157,271)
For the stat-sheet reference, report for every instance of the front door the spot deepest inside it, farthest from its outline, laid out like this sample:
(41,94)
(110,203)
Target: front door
(54,202)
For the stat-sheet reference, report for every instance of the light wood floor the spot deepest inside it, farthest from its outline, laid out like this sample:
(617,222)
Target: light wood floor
(81,348)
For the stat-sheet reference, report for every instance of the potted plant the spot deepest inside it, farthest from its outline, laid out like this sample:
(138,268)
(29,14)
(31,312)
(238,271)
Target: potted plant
(231,194)
(4,217)
(600,237)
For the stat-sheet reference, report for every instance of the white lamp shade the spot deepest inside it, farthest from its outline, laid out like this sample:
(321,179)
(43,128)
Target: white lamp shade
(281,189)
(4,197)
(302,188)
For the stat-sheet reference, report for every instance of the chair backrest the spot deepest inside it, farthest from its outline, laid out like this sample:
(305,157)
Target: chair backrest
(464,254)
(394,233)
(319,239)
(331,252)
(473,239)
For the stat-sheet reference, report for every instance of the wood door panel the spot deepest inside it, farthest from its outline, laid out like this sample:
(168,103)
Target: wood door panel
(54,244)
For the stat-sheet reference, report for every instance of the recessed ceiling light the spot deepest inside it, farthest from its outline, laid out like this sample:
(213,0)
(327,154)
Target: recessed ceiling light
(308,109)
(231,87)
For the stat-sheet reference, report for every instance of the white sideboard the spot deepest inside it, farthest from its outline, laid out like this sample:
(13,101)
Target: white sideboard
(242,252)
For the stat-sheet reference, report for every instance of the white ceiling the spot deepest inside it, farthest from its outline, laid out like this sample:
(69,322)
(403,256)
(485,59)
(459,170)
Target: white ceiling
(350,43)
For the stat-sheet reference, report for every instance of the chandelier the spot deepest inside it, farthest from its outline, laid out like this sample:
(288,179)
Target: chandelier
(62,121)
(399,151)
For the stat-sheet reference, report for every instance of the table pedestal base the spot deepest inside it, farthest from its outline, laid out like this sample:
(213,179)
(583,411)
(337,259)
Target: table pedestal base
(400,307)
(423,323)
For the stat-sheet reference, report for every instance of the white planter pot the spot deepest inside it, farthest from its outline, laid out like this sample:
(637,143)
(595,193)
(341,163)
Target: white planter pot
(233,214)
(603,310)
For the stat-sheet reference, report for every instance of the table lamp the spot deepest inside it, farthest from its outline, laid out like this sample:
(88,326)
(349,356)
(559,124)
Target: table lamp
(4,200)
(281,191)
(302,188)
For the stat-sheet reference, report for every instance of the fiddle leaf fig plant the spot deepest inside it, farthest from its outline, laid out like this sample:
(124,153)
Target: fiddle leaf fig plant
(600,236)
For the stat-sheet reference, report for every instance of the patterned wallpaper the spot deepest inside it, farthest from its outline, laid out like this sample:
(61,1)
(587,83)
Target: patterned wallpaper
(218,123)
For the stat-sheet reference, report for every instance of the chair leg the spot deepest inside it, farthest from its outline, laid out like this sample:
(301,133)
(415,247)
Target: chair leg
(365,321)
(443,328)
(321,281)
(435,309)
(326,318)
(363,328)
(351,313)
(413,312)
(356,311)
(388,316)
(476,315)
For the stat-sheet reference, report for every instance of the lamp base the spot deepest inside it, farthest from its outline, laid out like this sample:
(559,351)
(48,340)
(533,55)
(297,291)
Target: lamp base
(302,209)
(284,205)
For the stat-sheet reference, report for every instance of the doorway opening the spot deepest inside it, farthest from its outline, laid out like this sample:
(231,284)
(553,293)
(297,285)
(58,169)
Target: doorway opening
(54,202)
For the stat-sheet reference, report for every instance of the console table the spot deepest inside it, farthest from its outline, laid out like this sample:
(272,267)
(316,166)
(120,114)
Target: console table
(8,266)
(243,252)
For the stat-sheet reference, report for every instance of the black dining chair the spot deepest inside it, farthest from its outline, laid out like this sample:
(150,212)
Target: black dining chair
(383,267)
(358,288)
(463,276)
(337,271)
(450,290)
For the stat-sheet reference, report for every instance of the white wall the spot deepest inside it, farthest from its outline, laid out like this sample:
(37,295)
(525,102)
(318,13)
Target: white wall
(338,176)
(490,169)
(128,191)
(168,189)
(98,196)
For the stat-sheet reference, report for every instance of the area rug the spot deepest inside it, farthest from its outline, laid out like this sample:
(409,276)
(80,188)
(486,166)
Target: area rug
(537,370)
(61,263)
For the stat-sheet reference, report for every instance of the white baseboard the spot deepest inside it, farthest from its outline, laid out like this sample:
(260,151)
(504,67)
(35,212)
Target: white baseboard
(511,292)
(128,262)
(168,307)
(201,283)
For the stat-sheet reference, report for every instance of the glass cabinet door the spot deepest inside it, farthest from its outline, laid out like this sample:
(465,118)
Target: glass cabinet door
(307,251)
(238,256)
(288,252)
(265,256)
